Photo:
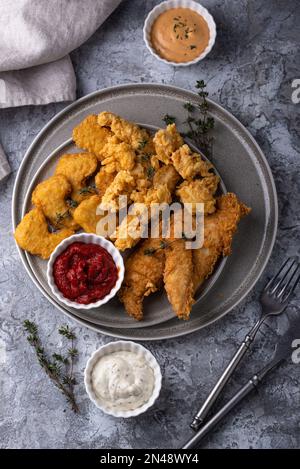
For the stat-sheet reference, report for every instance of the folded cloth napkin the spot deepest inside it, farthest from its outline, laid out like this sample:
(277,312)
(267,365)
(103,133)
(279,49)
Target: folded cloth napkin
(36,38)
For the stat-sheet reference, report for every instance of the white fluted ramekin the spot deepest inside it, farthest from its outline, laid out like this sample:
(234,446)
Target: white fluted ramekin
(167,5)
(86,238)
(120,346)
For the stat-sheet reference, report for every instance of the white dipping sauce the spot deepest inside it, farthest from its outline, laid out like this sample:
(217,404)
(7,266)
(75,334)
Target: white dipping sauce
(123,380)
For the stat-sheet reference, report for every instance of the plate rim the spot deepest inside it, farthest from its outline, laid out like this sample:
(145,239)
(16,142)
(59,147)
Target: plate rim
(154,86)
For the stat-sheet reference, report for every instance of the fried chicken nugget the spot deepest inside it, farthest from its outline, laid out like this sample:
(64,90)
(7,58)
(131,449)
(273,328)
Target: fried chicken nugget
(127,132)
(85,214)
(143,276)
(33,236)
(219,229)
(50,196)
(90,136)
(77,168)
(189,164)
(167,141)
(178,277)
(199,191)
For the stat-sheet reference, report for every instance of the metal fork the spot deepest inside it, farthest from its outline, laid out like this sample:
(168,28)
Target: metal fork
(274,300)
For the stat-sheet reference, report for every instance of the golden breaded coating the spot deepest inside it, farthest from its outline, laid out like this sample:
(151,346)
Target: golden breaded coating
(103,180)
(199,191)
(90,136)
(166,141)
(189,164)
(219,229)
(178,277)
(128,233)
(33,236)
(77,168)
(51,197)
(123,184)
(117,156)
(125,131)
(85,214)
(168,175)
(143,276)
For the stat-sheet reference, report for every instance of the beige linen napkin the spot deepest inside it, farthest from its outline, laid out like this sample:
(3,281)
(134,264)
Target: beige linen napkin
(35,40)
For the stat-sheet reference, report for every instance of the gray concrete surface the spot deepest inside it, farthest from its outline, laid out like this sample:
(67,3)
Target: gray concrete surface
(250,71)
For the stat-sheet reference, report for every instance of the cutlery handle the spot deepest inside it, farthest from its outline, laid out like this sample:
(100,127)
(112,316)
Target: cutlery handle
(216,391)
(192,442)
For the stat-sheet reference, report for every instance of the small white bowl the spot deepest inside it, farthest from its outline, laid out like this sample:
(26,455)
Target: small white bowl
(86,238)
(167,5)
(119,346)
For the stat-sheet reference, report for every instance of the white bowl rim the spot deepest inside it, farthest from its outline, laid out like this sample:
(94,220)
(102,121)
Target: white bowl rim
(86,238)
(117,346)
(168,5)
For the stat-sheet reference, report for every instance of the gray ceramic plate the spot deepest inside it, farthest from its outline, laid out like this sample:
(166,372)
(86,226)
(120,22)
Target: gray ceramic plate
(156,308)
(244,171)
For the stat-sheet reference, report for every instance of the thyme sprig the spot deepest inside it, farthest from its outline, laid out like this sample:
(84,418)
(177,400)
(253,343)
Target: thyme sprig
(60,367)
(200,127)
(90,189)
(60,217)
(151,251)
(169,119)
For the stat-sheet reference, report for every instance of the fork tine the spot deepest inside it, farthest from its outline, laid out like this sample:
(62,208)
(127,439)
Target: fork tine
(280,283)
(277,276)
(291,289)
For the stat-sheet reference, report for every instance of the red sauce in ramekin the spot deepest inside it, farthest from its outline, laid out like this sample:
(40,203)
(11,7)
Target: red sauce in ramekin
(85,273)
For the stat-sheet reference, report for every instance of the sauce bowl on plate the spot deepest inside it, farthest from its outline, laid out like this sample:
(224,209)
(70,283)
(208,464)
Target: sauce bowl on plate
(110,252)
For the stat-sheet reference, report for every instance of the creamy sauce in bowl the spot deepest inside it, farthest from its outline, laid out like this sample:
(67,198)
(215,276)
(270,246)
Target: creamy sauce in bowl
(180,35)
(123,380)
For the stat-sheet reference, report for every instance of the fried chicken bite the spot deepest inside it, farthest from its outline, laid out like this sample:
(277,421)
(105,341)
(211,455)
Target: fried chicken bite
(143,276)
(167,141)
(32,234)
(167,175)
(199,191)
(77,168)
(219,229)
(125,131)
(90,136)
(51,197)
(189,164)
(103,180)
(117,156)
(122,184)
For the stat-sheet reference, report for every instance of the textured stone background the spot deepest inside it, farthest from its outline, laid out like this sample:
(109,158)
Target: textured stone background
(249,72)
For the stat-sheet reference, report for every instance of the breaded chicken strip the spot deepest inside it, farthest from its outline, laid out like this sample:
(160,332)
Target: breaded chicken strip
(199,191)
(32,234)
(189,164)
(219,229)
(103,180)
(90,136)
(123,184)
(178,277)
(51,197)
(126,131)
(77,168)
(167,141)
(143,276)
